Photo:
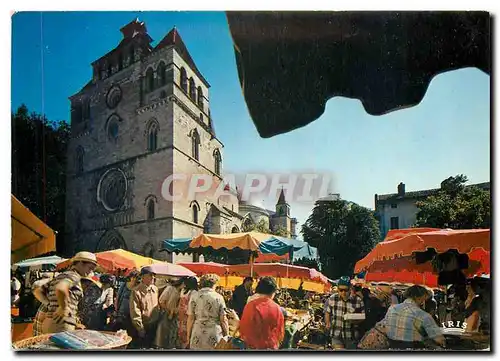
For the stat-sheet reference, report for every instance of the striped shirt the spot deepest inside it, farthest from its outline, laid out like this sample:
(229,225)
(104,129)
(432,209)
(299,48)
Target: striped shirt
(75,294)
(408,322)
(336,308)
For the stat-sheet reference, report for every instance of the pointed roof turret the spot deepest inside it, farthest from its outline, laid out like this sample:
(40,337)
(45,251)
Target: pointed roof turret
(281,199)
(134,32)
(133,28)
(173,38)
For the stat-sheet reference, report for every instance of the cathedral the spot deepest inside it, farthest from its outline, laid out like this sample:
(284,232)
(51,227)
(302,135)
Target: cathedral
(144,116)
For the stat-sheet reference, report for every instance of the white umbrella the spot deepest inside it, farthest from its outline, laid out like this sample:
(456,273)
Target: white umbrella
(40,263)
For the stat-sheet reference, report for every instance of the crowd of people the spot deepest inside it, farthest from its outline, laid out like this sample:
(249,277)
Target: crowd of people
(191,313)
(414,319)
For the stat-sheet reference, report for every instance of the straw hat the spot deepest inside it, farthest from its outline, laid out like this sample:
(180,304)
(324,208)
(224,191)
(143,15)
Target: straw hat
(84,257)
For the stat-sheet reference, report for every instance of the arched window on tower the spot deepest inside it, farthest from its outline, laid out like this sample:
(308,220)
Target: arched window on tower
(150,80)
(152,133)
(195,151)
(192,89)
(162,74)
(184,81)
(218,162)
(196,210)
(200,97)
(80,153)
(150,209)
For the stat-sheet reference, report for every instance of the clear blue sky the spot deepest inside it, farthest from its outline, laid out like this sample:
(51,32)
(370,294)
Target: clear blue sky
(447,134)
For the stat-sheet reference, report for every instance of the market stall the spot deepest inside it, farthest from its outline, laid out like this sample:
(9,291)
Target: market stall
(438,258)
(406,259)
(48,263)
(30,236)
(254,242)
(288,276)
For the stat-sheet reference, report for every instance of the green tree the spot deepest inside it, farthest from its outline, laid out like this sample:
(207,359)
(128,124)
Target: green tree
(343,232)
(307,262)
(456,206)
(39,148)
(262,227)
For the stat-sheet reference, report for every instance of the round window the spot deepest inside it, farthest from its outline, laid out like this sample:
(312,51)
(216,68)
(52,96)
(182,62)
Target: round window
(114,96)
(112,189)
(113,127)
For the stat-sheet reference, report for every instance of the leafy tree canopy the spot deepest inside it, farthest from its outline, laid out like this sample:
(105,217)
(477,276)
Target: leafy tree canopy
(343,232)
(456,206)
(39,148)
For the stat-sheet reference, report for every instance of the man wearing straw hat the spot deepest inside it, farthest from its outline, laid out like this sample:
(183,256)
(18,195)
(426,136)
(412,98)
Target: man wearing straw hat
(63,294)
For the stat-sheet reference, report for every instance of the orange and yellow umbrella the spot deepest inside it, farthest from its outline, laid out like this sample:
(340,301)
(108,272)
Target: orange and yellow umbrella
(117,259)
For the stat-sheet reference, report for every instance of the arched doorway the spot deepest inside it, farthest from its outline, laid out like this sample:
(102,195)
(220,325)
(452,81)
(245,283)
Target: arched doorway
(235,229)
(112,239)
(248,224)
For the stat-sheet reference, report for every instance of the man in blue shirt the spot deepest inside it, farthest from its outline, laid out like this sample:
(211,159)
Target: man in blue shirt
(408,325)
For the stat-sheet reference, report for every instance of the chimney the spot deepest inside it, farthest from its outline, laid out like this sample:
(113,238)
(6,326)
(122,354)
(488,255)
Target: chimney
(401,189)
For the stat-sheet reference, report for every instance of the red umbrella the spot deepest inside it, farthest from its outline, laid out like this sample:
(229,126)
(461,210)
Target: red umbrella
(404,276)
(464,241)
(206,267)
(406,270)
(385,262)
(280,270)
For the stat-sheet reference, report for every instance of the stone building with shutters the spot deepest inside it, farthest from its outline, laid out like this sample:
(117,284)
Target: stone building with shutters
(143,116)
(399,210)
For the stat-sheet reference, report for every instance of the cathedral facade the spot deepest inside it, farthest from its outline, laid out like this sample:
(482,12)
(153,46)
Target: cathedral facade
(144,116)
